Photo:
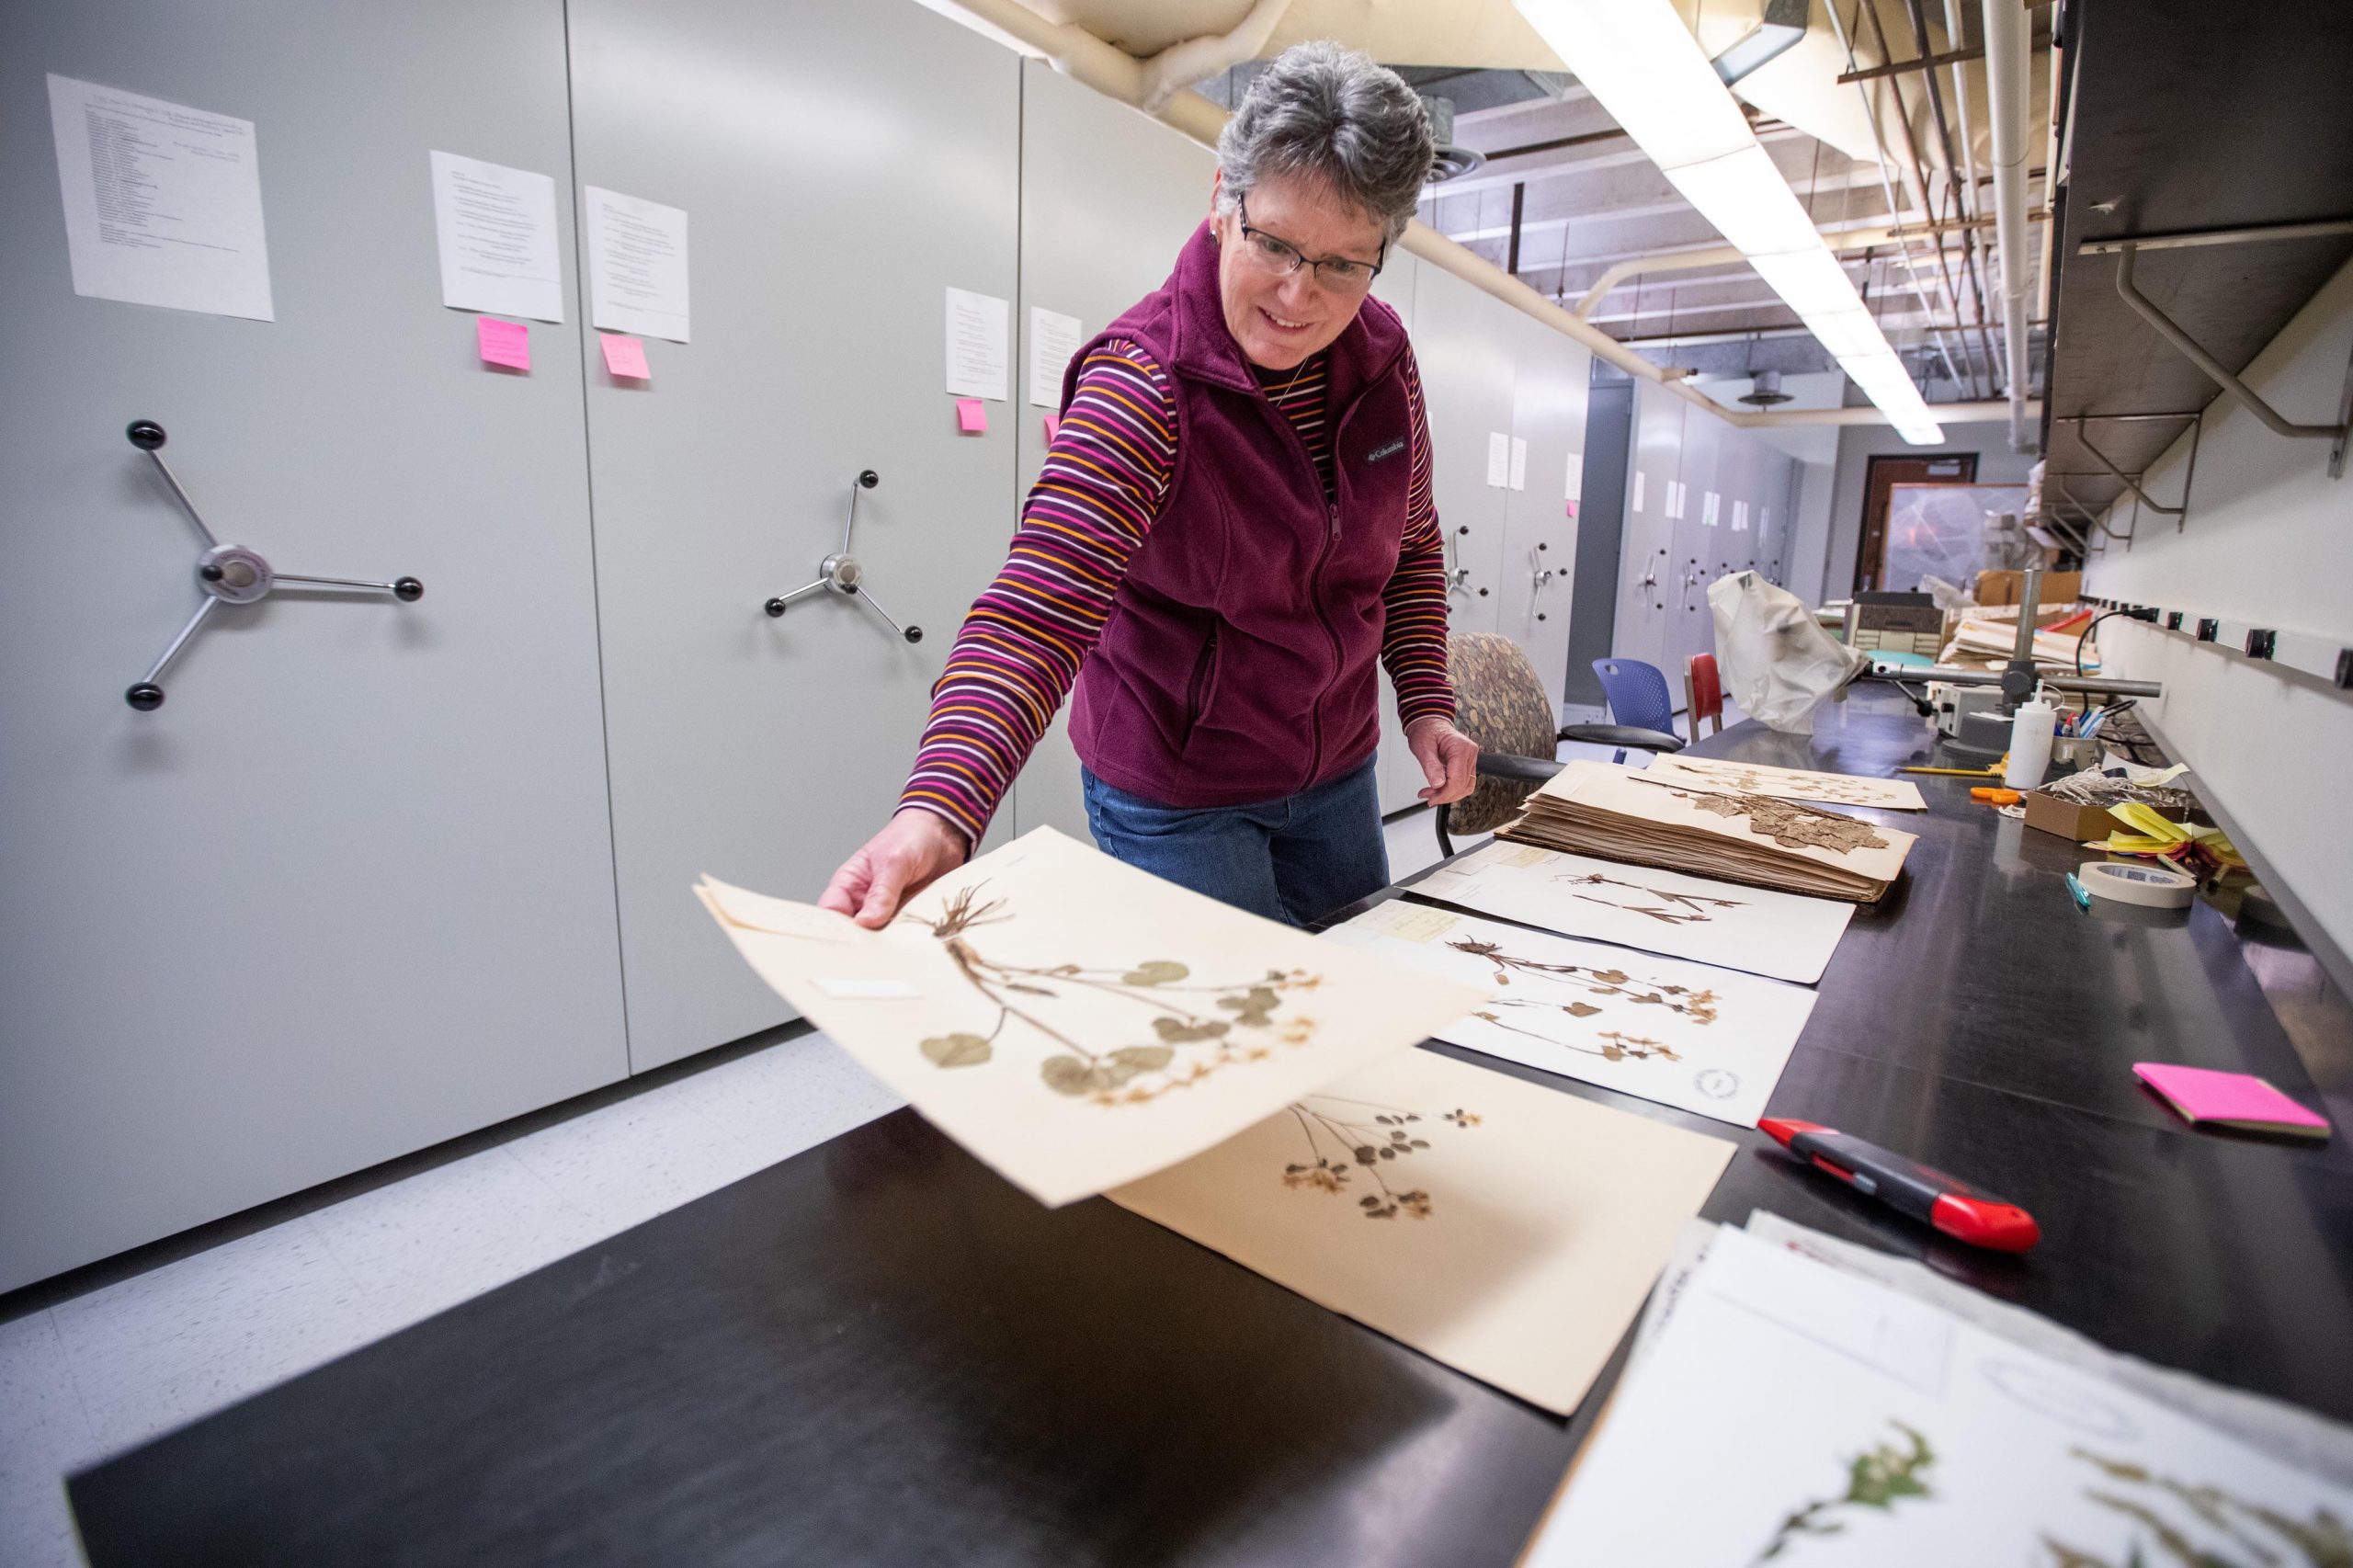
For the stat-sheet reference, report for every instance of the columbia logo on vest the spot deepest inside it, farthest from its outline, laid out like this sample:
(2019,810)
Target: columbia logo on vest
(1390,451)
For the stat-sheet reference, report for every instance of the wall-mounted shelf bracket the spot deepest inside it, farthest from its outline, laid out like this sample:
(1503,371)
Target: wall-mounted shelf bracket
(2132,482)
(2085,512)
(2278,425)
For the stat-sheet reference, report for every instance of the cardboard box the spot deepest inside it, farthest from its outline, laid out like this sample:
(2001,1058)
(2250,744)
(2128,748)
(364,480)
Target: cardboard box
(2049,814)
(2008,587)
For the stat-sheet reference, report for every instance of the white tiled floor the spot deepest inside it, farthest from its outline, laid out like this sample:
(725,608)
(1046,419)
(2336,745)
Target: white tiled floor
(107,1370)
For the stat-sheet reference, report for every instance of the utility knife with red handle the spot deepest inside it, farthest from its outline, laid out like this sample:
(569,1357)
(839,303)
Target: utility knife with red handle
(1961,1211)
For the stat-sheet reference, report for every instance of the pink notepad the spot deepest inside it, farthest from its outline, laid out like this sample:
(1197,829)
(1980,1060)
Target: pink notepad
(2237,1100)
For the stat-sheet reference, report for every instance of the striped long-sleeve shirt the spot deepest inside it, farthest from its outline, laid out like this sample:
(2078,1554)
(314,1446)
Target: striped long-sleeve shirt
(1106,477)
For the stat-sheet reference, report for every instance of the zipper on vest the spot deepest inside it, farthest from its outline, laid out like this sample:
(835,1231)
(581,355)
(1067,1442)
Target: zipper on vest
(1201,667)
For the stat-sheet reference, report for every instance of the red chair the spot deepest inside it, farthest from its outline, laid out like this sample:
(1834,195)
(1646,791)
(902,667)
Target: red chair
(1703,692)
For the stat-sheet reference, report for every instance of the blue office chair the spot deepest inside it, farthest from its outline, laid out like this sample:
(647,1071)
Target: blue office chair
(1638,700)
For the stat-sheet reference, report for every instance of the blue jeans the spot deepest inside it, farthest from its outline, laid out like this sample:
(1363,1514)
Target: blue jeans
(1292,859)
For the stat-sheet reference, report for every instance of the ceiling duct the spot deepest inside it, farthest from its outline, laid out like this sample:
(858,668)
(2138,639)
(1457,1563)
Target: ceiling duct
(1452,160)
(1779,30)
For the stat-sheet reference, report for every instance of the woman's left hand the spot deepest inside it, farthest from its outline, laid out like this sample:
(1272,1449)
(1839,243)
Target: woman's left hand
(1449,759)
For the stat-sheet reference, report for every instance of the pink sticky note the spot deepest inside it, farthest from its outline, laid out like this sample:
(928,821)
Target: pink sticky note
(2234,1099)
(1053,427)
(972,415)
(625,357)
(503,343)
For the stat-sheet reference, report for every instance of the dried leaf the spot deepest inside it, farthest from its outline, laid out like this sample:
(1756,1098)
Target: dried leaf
(1159,972)
(1365,1155)
(1177,1031)
(1069,1075)
(1610,976)
(957,1050)
(1580,1009)
(1142,1058)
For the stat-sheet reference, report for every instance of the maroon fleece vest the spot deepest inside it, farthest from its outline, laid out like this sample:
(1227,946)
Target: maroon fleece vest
(1238,661)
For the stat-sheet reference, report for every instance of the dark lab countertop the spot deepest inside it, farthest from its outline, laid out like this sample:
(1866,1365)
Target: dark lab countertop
(877,1352)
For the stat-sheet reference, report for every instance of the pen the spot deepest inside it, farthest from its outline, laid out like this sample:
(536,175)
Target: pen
(2081,893)
(1952,1206)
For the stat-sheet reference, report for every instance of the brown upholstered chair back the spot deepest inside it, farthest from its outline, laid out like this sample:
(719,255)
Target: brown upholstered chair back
(1499,703)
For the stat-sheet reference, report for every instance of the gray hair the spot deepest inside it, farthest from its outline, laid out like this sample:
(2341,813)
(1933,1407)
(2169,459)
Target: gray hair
(1335,117)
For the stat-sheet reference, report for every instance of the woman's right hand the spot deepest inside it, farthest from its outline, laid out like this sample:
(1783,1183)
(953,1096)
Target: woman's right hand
(915,850)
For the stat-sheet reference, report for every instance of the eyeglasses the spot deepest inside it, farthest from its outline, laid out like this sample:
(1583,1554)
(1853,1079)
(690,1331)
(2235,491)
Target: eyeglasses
(1338,273)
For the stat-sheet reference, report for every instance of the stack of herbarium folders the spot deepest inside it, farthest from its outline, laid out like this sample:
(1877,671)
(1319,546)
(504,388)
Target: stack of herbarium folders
(1930,1426)
(1618,814)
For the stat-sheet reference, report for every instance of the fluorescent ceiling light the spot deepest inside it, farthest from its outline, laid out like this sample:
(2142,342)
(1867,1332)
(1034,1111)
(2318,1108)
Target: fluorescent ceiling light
(1810,283)
(1642,64)
(1846,333)
(1637,59)
(1743,195)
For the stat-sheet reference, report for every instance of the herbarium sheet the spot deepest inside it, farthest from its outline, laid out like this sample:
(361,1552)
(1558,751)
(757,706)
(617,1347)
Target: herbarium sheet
(1782,934)
(1077,1023)
(1786,783)
(1792,1414)
(1507,1230)
(1704,1039)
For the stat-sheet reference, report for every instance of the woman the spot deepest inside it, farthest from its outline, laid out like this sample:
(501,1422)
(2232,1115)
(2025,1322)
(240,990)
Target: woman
(1233,519)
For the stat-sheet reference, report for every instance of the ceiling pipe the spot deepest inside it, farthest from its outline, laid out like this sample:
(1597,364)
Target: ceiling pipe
(2005,65)
(1080,55)
(1918,195)
(1725,256)
(1181,65)
(1946,413)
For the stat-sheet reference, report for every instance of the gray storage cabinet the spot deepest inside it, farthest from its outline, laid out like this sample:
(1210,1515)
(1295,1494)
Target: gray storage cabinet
(350,890)
(1650,571)
(841,165)
(1540,537)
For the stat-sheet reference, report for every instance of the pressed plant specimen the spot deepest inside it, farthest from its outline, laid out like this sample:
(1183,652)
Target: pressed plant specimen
(2259,1534)
(1348,1139)
(1855,792)
(1697,1006)
(1694,906)
(1616,1045)
(1879,1477)
(1162,990)
(1789,824)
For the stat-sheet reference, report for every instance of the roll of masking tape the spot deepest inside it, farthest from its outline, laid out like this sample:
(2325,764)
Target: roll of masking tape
(2151,887)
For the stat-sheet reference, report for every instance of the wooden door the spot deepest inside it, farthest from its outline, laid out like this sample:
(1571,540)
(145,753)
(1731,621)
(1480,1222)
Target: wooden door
(1881,477)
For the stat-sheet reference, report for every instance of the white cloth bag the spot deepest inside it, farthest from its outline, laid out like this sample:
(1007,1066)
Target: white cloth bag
(1776,662)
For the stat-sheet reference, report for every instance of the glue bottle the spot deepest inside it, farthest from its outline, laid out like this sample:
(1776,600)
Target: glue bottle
(2030,742)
